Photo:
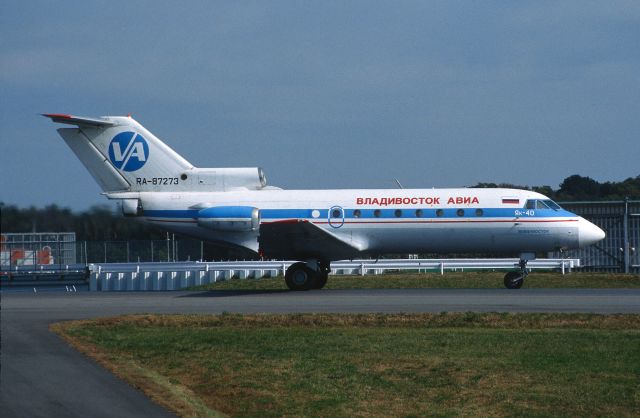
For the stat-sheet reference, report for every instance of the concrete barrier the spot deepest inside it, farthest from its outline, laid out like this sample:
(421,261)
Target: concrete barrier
(158,282)
(174,276)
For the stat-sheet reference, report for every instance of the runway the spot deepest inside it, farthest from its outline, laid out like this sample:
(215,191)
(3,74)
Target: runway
(42,376)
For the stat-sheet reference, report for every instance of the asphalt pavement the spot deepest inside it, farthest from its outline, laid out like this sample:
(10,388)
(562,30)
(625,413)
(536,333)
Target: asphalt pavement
(41,376)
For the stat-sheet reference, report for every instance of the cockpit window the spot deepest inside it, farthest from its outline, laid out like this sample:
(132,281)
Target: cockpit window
(553,205)
(542,204)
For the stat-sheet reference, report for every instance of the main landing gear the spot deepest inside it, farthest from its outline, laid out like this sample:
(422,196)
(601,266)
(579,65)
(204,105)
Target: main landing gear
(515,279)
(307,275)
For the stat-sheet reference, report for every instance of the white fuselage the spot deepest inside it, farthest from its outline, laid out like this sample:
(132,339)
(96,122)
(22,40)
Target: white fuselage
(389,221)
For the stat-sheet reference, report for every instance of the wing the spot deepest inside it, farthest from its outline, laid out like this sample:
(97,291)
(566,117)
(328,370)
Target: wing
(300,239)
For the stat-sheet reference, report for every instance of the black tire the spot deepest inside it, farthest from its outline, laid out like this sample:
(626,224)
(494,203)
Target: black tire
(300,277)
(321,279)
(513,280)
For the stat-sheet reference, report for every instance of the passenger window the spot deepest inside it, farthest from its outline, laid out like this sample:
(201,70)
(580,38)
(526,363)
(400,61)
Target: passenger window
(376,213)
(419,213)
(479,212)
(336,213)
(398,213)
(356,213)
(460,212)
(439,213)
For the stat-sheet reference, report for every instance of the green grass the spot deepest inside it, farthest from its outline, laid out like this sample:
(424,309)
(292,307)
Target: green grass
(449,280)
(375,365)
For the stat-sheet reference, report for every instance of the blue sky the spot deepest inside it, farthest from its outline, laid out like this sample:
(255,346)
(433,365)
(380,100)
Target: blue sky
(345,94)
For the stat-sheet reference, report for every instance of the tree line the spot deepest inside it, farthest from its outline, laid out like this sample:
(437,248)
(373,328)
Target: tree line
(99,223)
(578,188)
(103,223)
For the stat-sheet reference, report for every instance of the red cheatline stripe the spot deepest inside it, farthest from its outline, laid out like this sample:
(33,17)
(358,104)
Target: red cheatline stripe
(445,222)
(450,222)
(395,222)
(287,221)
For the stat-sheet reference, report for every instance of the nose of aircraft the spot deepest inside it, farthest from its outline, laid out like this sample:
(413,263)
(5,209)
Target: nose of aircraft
(589,233)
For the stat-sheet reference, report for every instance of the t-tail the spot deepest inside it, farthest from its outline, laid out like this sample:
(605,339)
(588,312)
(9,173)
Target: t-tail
(124,157)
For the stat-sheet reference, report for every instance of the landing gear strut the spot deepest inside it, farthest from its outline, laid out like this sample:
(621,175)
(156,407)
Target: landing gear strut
(515,279)
(307,275)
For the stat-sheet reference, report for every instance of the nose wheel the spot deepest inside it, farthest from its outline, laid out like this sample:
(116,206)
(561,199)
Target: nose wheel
(515,279)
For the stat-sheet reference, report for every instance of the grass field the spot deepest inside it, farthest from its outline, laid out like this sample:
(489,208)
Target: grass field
(448,280)
(374,365)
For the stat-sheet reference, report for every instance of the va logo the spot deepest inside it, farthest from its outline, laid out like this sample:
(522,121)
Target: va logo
(128,151)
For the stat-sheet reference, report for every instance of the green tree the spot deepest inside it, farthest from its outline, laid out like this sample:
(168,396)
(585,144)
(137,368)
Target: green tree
(577,187)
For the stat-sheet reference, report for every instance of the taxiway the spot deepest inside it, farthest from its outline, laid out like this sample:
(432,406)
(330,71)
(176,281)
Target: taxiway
(42,376)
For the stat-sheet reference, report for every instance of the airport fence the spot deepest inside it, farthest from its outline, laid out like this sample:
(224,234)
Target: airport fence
(137,251)
(619,252)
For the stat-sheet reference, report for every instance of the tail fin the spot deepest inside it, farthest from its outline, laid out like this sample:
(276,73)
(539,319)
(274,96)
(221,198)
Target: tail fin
(122,155)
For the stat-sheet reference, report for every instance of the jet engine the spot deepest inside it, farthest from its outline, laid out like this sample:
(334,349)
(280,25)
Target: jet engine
(230,218)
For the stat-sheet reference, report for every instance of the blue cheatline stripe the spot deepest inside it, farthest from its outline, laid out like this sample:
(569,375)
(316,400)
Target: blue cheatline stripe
(449,213)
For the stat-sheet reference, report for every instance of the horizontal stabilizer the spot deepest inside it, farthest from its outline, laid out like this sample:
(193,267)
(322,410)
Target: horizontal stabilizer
(78,120)
(301,239)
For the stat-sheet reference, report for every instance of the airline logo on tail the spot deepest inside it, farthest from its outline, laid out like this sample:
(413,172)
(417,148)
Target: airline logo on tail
(128,151)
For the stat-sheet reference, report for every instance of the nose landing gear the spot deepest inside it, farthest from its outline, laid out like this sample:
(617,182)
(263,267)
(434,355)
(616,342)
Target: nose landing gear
(515,279)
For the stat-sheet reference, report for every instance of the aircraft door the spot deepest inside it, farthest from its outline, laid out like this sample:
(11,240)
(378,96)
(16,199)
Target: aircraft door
(336,216)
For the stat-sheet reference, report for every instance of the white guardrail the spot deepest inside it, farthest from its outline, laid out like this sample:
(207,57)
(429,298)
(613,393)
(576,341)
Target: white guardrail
(175,276)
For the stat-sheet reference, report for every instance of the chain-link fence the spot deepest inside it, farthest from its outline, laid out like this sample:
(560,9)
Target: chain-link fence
(39,249)
(620,250)
(140,251)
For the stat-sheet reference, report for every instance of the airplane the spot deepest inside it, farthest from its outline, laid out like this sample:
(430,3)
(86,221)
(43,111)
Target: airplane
(235,206)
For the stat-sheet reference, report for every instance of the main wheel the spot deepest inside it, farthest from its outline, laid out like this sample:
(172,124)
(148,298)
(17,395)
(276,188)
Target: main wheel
(513,280)
(300,277)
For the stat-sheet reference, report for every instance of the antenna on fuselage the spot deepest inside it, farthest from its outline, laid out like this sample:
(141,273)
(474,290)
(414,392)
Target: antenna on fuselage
(398,183)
